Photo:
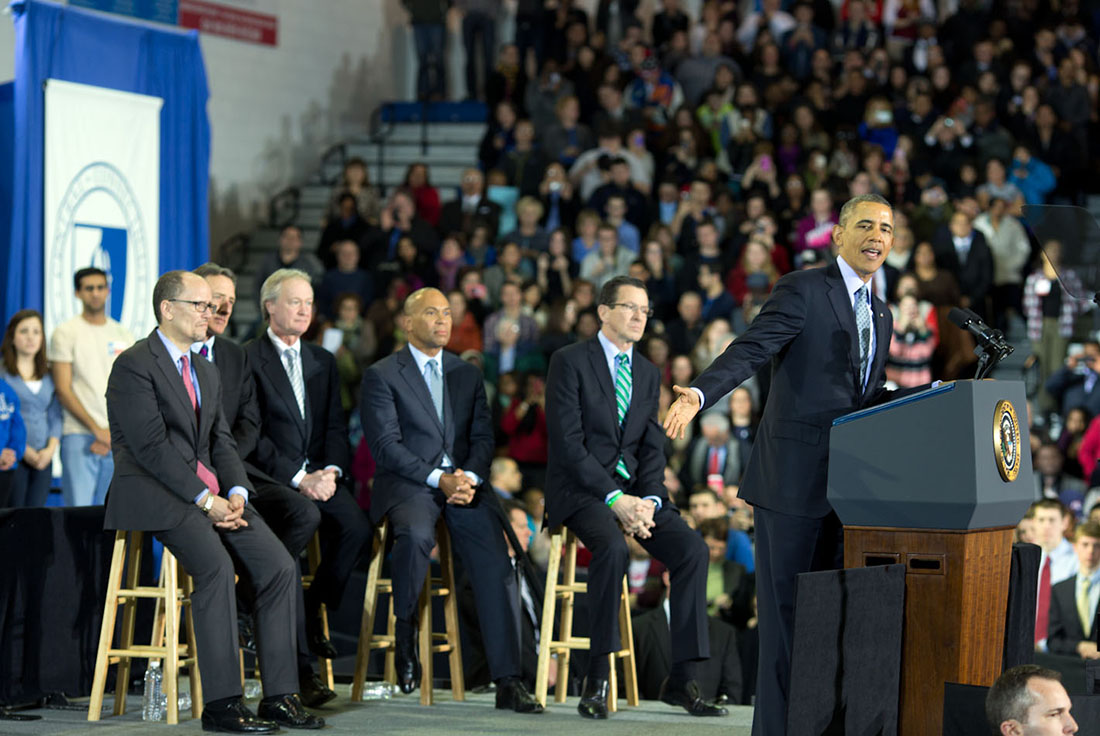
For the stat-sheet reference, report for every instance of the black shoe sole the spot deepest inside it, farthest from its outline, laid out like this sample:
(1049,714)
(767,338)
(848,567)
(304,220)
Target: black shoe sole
(318,701)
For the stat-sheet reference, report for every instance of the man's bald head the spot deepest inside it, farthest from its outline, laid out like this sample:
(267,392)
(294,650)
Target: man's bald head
(428,318)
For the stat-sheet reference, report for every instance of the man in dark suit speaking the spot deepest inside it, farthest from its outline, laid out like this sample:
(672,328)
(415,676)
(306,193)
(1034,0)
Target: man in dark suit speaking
(605,475)
(428,426)
(177,474)
(830,337)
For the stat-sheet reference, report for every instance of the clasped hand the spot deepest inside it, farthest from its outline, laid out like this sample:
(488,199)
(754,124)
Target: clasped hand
(635,515)
(318,485)
(457,487)
(228,514)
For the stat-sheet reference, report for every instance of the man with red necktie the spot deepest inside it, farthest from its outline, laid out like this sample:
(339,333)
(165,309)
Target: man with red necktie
(178,475)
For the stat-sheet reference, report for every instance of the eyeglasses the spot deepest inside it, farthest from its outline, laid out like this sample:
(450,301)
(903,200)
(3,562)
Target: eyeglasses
(634,308)
(200,307)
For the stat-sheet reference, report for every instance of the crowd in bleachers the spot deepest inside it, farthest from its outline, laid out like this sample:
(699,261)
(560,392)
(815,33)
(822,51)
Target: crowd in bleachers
(707,154)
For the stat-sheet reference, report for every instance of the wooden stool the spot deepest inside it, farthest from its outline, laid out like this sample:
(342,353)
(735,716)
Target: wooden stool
(172,595)
(566,590)
(313,559)
(444,587)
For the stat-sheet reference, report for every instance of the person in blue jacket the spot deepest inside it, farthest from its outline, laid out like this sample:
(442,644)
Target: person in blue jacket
(13,439)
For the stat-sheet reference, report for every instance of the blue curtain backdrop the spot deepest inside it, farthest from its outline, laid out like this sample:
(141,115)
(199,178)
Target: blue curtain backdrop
(57,42)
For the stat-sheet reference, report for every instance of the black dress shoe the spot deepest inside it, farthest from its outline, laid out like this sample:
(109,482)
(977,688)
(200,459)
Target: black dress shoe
(319,644)
(289,712)
(235,718)
(406,664)
(688,697)
(512,695)
(313,690)
(594,698)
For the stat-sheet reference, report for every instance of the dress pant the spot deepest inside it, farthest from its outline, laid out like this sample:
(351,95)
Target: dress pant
(210,556)
(785,547)
(676,545)
(345,538)
(477,537)
(293,518)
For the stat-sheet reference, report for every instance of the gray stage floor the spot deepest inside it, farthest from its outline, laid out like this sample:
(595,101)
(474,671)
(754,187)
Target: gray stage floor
(405,715)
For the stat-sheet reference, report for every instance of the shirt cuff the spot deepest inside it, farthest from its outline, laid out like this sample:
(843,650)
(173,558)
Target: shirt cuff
(239,491)
(434,476)
(199,497)
(297,479)
(702,399)
(337,468)
(473,476)
(656,501)
(608,496)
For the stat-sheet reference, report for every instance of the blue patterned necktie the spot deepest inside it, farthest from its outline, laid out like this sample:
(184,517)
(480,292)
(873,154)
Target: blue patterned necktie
(863,329)
(435,385)
(623,381)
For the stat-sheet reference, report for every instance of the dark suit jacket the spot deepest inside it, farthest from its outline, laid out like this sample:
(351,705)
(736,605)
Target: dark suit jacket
(286,440)
(718,675)
(694,471)
(404,434)
(1068,388)
(454,220)
(586,438)
(157,439)
(808,327)
(1065,631)
(976,276)
(242,410)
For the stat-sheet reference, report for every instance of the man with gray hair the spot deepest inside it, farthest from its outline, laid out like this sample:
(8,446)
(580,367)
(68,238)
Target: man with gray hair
(1029,700)
(829,336)
(714,459)
(303,439)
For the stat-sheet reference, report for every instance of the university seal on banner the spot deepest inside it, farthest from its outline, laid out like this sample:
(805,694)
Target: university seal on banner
(1006,440)
(99,223)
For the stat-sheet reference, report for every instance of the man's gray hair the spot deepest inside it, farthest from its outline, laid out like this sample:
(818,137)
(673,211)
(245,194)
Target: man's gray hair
(210,268)
(273,284)
(851,204)
(715,419)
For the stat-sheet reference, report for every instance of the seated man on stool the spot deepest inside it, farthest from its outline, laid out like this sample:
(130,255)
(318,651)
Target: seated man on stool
(605,476)
(303,440)
(1073,602)
(428,426)
(178,475)
(292,516)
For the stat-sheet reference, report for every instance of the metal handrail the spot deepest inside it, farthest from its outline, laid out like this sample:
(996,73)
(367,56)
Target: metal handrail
(283,207)
(233,251)
(335,154)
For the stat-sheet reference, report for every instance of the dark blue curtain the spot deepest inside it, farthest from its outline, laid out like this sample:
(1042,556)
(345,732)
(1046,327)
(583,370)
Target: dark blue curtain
(58,42)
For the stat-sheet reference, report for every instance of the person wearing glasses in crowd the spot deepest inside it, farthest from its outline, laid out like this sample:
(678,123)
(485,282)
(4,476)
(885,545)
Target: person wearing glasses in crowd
(605,476)
(82,351)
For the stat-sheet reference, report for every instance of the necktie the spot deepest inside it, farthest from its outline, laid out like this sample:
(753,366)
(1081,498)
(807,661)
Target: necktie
(435,385)
(1042,611)
(623,380)
(863,329)
(712,466)
(294,373)
(1083,607)
(205,474)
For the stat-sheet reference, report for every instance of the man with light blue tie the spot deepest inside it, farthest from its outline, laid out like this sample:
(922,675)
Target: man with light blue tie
(428,427)
(827,337)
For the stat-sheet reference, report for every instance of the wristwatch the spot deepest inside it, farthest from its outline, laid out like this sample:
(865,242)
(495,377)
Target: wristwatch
(208,503)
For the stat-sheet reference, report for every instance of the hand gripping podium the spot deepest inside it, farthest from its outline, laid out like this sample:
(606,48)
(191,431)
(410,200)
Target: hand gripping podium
(937,481)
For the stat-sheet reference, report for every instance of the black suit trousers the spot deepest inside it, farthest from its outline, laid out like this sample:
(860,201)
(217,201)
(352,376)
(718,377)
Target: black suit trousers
(785,546)
(345,538)
(675,544)
(477,538)
(210,556)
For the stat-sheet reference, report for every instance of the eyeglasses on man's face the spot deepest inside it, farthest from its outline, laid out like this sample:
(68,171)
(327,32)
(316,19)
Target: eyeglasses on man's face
(633,308)
(200,307)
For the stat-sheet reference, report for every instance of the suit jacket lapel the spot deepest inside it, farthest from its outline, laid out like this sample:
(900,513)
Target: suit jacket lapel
(310,368)
(273,369)
(842,306)
(882,342)
(171,375)
(603,378)
(449,363)
(208,406)
(416,383)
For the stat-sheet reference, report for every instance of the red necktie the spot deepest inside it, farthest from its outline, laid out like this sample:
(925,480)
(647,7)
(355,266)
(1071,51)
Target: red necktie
(204,473)
(1042,611)
(712,465)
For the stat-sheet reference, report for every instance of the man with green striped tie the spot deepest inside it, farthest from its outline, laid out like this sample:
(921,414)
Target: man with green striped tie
(605,477)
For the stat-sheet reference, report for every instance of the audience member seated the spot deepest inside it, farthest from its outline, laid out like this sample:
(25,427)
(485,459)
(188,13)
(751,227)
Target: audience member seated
(398,220)
(588,171)
(909,362)
(524,164)
(289,255)
(1073,601)
(531,236)
(424,194)
(714,458)
(26,372)
(466,334)
(510,337)
(565,139)
(620,184)
(470,208)
(684,331)
(1051,482)
(345,278)
(730,587)
(510,266)
(1074,385)
(559,200)
(611,259)
(525,426)
(355,181)
(347,225)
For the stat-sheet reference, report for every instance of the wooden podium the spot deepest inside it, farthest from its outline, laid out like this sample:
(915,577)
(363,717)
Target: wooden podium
(937,482)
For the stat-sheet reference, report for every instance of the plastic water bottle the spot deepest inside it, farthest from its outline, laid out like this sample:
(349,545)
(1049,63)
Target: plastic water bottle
(152,699)
(252,689)
(378,690)
(184,701)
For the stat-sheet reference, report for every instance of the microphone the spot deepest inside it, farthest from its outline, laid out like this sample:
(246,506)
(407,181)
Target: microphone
(967,320)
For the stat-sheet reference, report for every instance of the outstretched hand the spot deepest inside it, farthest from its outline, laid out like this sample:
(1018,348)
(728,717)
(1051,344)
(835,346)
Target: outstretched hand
(682,411)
